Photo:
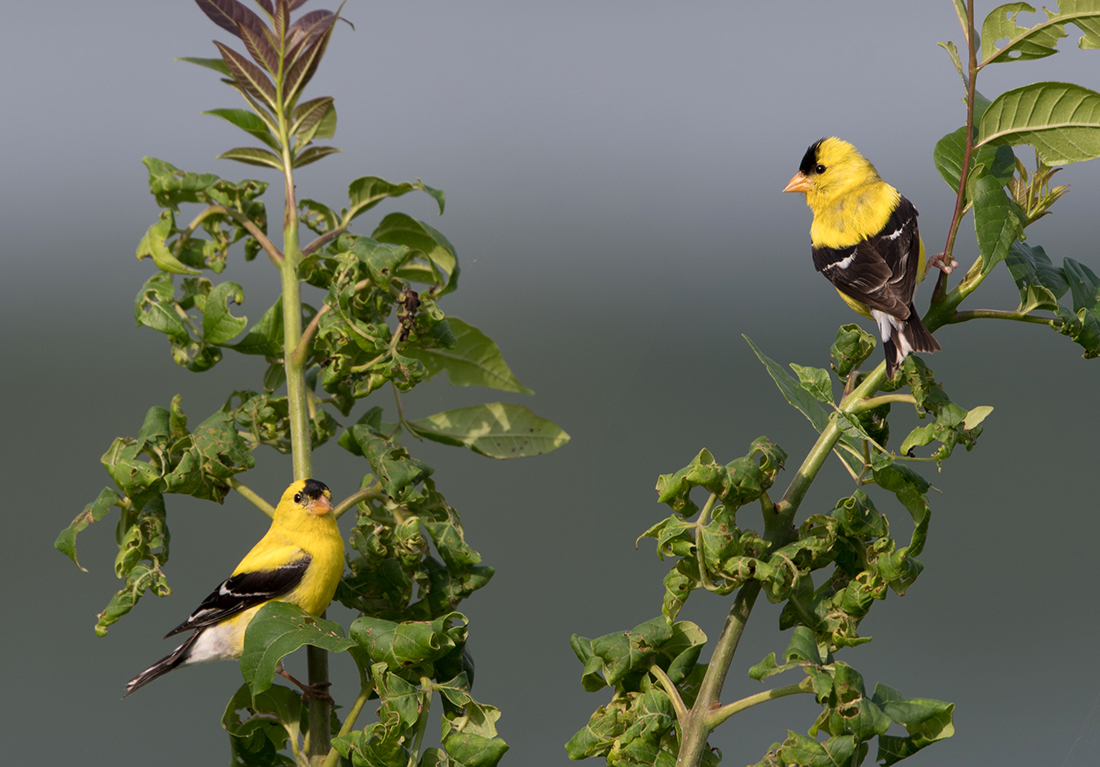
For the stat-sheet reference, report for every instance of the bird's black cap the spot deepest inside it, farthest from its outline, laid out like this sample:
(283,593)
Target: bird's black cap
(809,160)
(314,488)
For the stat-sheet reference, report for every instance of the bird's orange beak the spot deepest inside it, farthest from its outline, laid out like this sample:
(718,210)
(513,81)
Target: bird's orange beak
(321,506)
(800,183)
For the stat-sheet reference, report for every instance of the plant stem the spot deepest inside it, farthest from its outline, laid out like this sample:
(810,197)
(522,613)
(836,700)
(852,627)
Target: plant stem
(251,495)
(994,314)
(722,714)
(298,403)
(696,729)
(422,722)
(940,293)
(350,502)
(672,693)
(872,402)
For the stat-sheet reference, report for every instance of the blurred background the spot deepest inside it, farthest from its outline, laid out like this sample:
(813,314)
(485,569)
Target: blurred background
(612,173)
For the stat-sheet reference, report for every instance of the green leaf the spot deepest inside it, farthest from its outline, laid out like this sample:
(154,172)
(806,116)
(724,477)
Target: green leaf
(266,336)
(1024,43)
(474,750)
(996,223)
(424,241)
(317,216)
(1039,282)
(251,155)
(953,52)
(409,643)
(171,186)
(218,325)
(249,123)
(389,461)
(278,629)
(273,717)
(474,361)
(154,245)
(93,512)
(216,64)
(815,381)
(976,415)
(1061,120)
(998,162)
(792,390)
(368,191)
(853,345)
(495,430)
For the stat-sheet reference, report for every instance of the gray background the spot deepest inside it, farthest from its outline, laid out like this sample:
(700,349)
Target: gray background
(613,173)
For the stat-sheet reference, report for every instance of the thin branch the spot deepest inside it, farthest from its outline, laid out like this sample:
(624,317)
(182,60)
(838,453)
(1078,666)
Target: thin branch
(251,495)
(940,292)
(994,314)
(872,402)
(672,692)
(720,715)
(322,241)
(273,252)
(352,500)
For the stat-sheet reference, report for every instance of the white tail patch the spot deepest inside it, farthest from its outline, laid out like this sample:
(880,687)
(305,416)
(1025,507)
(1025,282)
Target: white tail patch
(892,328)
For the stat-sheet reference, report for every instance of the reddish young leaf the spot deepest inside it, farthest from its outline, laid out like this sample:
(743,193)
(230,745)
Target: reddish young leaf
(306,116)
(247,75)
(227,14)
(296,4)
(282,22)
(306,29)
(304,67)
(259,48)
(266,5)
(313,154)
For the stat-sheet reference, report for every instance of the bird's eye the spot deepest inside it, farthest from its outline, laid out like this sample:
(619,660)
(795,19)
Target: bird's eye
(297,497)
(819,169)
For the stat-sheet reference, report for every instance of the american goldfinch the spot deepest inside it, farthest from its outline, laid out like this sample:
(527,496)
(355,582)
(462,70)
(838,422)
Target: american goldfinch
(299,560)
(865,241)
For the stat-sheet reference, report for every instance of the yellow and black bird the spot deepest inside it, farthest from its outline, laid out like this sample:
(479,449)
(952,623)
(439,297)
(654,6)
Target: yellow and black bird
(865,241)
(299,560)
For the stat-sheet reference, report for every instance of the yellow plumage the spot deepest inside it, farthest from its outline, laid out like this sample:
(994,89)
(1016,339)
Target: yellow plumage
(300,560)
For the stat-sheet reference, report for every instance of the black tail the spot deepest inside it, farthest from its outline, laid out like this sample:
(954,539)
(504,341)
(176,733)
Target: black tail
(162,666)
(915,337)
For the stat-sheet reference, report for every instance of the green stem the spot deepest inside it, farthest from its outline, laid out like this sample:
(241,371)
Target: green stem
(251,495)
(422,721)
(672,693)
(696,729)
(994,314)
(350,502)
(722,714)
(365,689)
(872,402)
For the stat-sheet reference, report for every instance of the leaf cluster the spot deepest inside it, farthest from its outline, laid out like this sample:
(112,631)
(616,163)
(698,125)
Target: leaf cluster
(827,572)
(401,663)
(850,717)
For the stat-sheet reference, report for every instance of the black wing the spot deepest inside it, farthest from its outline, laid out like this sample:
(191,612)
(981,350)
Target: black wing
(881,271)
(243,591)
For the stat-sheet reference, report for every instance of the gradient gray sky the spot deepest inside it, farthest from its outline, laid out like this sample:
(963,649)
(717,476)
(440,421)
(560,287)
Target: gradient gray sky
(613,173)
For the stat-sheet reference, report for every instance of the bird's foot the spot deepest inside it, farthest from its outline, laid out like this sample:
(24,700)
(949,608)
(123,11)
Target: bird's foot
(315,691)
(940,263)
